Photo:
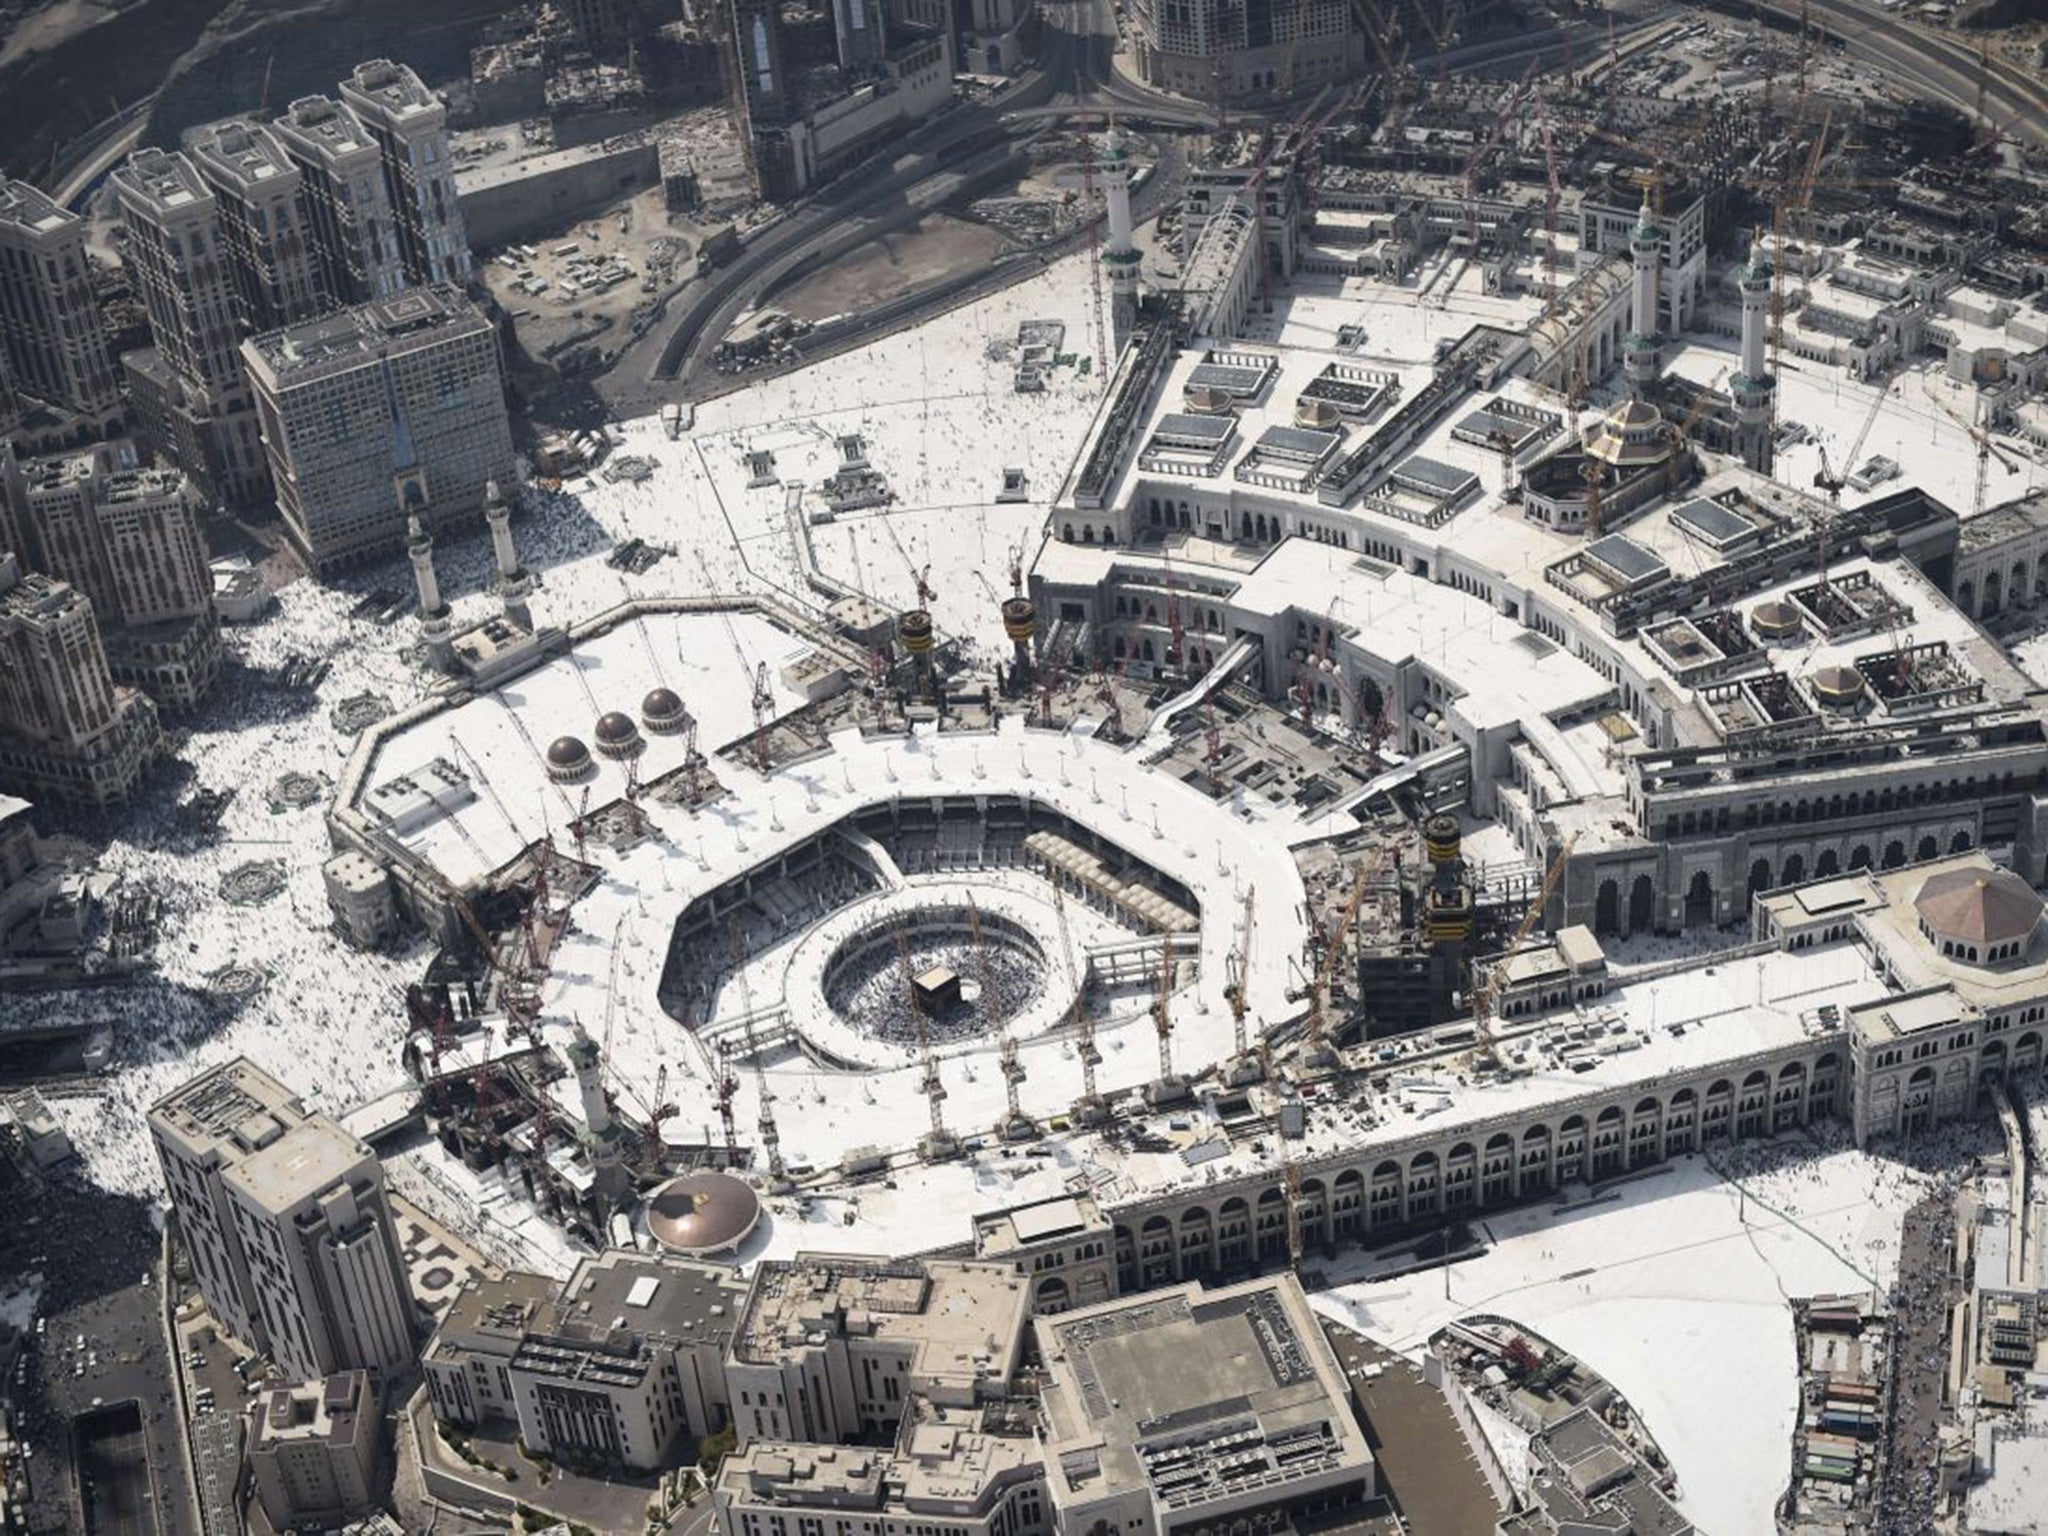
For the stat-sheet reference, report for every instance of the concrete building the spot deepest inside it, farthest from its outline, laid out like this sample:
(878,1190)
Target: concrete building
(410,125)
(1198,1410)
(1064,1245)
(1609,216)
(259,195)
(798,143)
(313,1451)
(951,1470)
(1962,943)
(617,1366)
(128,539)
(67,733)
(831,1348)
(191,398)
(52,339)
(360,894)
(348,207)
(402,392)
(285,1218)
(1247,51)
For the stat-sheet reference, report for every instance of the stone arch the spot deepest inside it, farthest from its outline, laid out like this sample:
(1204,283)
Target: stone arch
(1642,904)
(1960,843)
(1859,856)
(1795,869)
(1759,876)
(1829,863)
(1051,1295)
(1607,908)
(1894,853)
(1699,900)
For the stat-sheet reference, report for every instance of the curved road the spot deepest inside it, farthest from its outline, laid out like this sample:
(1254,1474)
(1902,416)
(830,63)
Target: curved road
(1074,75)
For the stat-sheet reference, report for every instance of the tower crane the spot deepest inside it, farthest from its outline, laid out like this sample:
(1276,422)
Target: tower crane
(1318,1050)
(1489,984)
(1243,1067)
(1089,1108)
(1169,1089)
(1831,478)
(1985,453)
(771,1137)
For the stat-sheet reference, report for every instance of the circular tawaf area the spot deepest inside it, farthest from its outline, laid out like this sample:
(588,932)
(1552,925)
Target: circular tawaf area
(922,974)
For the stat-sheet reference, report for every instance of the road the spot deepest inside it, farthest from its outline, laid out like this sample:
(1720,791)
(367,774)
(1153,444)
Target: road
(1073,76)
(1936,62)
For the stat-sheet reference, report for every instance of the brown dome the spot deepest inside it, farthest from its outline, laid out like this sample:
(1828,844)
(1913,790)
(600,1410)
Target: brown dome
(702,1213)
(1979,906)
(1838,687)
(661,704)
(567,752)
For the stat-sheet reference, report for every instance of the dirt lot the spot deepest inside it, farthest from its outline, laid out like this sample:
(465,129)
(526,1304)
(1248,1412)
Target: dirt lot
(936,246)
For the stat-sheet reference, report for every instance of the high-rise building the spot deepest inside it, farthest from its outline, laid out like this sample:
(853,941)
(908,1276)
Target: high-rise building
(313,1451)
(191,398)
(67,733)
(355,234)
(51,333)
(285,1219)
(129,539)
(618,1365)
(259,193)
(398,392)
(410,125)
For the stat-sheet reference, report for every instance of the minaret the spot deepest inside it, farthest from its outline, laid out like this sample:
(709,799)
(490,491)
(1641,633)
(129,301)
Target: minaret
(1753,388)
(1119,254)
(437,625)
(515,584)
(1643,351)
(601,1132)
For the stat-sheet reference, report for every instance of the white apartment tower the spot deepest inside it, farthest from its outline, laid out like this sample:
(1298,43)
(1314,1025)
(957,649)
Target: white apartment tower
(1643,350)
(1754,388)
(410,126)
(284,1216)
(515,582)
(437,625)
(1119,255)
(355,233)
(258,193)
(51,338)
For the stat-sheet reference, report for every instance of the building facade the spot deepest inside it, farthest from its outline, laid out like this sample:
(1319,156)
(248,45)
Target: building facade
(313,1451)
(259,195)
(410,126)
(284,1216)
(404,392)
(615,1367)
(833,1348)
(51,334)
(128,539)
(67,733)
(192,400)
(348,206)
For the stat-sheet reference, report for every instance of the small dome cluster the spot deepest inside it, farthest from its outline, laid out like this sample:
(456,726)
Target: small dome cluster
(568,760)
(662,711)
(617,735)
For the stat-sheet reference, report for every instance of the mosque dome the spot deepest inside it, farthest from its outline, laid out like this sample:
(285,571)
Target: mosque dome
(662,710)
(568,758)
(1979,909)
(702,1213)
(617,735)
